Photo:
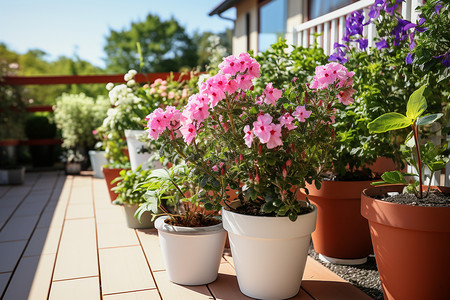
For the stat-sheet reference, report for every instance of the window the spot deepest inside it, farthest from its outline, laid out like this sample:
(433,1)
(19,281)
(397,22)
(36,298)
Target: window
(319,8)
(272,23)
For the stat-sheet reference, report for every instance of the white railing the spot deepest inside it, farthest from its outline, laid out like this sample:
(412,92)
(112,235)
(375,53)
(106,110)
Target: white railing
(332,25)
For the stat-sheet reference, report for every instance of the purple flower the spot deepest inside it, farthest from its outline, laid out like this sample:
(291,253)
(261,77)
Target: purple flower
(381,44)
(339,54)
(400,31)
(363,43)
(409,58)
(444,58)
(390,8)
(421,21)
(437,8)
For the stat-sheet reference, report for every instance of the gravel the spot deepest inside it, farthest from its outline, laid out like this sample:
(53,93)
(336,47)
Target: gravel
(365,277)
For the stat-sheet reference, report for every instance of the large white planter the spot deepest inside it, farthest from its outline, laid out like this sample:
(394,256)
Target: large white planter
(135,146)
(269,253)
(191,254)
(98,159)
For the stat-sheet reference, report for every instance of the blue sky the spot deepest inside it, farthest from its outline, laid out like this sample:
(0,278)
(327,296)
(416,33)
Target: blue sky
(62,27)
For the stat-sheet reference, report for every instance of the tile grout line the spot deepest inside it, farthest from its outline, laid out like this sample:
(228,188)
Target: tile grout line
(60,234)
(209,290)
(301,288)
(6,191)
(32,232)
(96,240)
(74,278)
(148,264)
(129,292)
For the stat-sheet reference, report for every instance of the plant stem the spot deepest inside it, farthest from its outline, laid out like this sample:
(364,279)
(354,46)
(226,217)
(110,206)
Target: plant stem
(419,161)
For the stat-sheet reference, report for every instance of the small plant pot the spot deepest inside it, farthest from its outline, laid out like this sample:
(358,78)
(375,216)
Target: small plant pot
(132,222)
(192,255)
(98,159)
(110,174)
(12,176)
(269,253)
(342,235)
(73,168)
(134,147)
(412,245)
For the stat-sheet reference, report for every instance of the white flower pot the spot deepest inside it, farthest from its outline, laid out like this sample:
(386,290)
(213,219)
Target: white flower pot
(191,254)
(146,219)
(98,159)
(269,253)
(135,146)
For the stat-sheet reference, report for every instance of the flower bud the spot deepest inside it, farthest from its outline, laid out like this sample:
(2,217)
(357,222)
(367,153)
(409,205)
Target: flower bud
(282,110)
(260,149)
(252,88)
(284,171)
(235,160)
(257,178)
(329,105)
(320,103)
(250,176)
(303,155)
(306,98)
(241,157)
(222,171)
(288,163)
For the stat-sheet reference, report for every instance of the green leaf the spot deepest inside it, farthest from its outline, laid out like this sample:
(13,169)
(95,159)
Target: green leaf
(292,216)
(428,119)
(389,121)
(393,177)
(417,104)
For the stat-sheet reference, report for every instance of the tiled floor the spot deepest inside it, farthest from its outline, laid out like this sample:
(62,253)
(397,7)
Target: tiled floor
(62,239)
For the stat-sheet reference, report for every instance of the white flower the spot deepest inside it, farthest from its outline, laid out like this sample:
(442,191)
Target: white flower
(131,82)
(132,72)
(127,77)
(109,86)
(202,78)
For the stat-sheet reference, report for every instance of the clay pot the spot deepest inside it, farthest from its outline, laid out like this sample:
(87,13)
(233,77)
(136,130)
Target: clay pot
(342,235)
(110,174)
(412,246)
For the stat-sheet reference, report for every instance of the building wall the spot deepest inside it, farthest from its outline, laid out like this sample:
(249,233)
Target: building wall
(295,16)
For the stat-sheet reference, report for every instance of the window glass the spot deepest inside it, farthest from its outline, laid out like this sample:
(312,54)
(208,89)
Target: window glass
(272,23)
(321,7)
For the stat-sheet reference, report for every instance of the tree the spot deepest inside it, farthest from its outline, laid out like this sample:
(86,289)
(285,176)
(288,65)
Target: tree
(212,44)
(164,45)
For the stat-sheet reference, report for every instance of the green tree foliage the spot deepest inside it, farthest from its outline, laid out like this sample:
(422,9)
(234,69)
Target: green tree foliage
(165,47)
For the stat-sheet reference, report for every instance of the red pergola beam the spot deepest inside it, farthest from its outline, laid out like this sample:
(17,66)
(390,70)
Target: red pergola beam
(86,79)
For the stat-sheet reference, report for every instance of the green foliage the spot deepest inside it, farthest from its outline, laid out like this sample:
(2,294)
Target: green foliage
(280,65)
(128,186)
(428,155)
(165,47)
(77,116)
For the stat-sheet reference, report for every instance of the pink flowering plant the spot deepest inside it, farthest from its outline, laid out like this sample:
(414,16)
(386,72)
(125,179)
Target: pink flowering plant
(260,147)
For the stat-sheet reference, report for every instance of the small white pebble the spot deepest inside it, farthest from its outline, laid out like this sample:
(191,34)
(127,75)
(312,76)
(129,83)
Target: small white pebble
(392,194)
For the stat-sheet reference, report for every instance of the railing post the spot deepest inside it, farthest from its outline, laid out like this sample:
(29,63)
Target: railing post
(414,13)
(333,34)
(311,36)
(326,38)
(406,10)
(341,30)
(319,31)
(305,38)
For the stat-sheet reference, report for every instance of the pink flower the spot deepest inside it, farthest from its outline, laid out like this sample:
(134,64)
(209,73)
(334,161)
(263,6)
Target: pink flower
(244,82)
(230,65)
(171,95)
(345,96)
(275,136)
(218,81)
(215,169)
(262,127)
(254,69)
(197,108)
(231,86)
(287,121)
(189,132)
(272,94)
(301,113)
(248,137)
(215,95)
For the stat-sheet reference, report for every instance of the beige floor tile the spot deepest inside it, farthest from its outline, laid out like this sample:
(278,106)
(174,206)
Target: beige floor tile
(79,211)
(10,253)
(116,235)
(18,228)
(32,278)
(77,255)
(43,241)
(110,215)
(124,269)
(30,208)
(5,213)
(4,277)
(52,218)
(170,290)
(76,289)
(140,295)
(226,285)
(150,243)
(316,271)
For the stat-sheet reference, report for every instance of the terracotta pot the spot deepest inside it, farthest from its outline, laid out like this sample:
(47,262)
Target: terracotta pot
(342,235)
(110,174)
(412,246)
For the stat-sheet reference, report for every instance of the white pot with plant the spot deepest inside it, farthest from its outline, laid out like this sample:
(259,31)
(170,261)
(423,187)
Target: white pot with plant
(265,147)
(191,242)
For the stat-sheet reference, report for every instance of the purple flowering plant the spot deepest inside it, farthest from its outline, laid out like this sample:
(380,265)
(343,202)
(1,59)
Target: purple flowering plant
(259,146)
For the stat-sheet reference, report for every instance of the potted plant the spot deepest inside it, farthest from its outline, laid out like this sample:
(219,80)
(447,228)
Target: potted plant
(76,115)
(407,220)
(72,160)
(191,240)
(130,196)
(264,147)
(97,157)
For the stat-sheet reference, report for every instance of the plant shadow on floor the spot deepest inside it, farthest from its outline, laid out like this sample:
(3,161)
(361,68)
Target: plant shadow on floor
(365,276)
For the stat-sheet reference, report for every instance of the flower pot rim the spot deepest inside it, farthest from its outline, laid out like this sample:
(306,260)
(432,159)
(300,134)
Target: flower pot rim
(268,217)
(422,218)
(163,226)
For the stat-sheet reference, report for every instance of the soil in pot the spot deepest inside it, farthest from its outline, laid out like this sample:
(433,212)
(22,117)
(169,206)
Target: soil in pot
(192,220)
(435,198)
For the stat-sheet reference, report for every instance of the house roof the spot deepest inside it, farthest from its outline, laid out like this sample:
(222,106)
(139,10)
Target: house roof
(223,6)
